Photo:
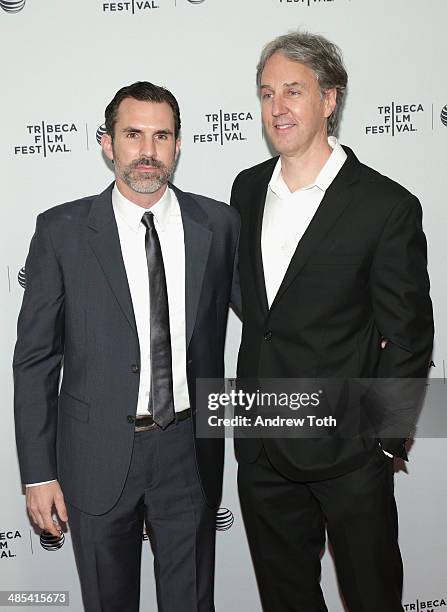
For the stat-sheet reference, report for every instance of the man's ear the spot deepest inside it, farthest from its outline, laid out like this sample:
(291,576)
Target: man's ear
(330,101)
(107,146)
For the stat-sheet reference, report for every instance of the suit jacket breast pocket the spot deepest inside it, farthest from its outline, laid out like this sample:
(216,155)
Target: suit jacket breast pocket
(73,407)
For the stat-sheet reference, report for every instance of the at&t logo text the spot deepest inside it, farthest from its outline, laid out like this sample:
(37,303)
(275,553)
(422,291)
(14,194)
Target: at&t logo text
(224,127)
(46,138)
(396,119)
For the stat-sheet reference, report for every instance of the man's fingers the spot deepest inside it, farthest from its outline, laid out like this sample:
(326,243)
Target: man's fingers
(61,509)
(37,518)
(50,525)
(34,512)
(54,529)
(40,501)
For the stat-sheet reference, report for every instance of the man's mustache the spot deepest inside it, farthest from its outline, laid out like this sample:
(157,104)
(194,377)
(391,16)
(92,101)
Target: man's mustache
(147,161)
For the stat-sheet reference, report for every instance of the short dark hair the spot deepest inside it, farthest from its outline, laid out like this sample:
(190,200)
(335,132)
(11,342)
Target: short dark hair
(146,92)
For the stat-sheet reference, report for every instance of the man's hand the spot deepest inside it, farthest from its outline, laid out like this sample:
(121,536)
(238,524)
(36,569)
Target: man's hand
(40,501)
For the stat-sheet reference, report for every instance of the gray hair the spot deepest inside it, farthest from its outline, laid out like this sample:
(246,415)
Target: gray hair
(317,53)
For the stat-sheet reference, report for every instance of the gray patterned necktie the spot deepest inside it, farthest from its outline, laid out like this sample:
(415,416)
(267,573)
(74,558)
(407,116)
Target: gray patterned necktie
(161,403)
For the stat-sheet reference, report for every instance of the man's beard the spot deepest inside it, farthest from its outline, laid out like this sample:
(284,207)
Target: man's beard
(144,182)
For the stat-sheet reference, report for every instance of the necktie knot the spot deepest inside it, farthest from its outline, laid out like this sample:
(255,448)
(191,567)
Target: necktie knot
(148,220)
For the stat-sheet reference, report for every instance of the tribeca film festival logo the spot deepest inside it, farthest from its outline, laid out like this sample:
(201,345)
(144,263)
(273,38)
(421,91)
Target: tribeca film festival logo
(396,119)
(47,139)
(223,127)
(12,6)
(427,605)
(136,6)
(132,6)
(7,540)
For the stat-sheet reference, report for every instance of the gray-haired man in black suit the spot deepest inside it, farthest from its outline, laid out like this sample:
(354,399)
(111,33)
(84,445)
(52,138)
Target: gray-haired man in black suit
(333,273)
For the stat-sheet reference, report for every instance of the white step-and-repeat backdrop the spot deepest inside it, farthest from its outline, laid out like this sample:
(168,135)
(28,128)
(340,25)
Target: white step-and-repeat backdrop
(61,63)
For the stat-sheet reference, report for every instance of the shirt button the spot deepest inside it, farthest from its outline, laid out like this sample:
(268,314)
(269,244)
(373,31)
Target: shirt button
(135,368)
(130,418)
(268,336)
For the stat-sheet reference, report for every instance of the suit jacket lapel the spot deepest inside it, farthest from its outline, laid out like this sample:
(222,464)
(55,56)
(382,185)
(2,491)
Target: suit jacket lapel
(257,196)
(198,237)
(104,240)
(336,199)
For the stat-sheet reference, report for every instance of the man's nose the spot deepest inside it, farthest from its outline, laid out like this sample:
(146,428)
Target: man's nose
(147,147)
(278,106)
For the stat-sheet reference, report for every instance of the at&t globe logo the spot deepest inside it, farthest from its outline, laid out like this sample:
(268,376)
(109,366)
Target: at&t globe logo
(51,542)
(100,133)
(444,115)
(224,519)
(21,277)
(12,6)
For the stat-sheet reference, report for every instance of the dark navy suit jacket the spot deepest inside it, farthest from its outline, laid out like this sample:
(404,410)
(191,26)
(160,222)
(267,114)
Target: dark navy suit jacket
(77,311)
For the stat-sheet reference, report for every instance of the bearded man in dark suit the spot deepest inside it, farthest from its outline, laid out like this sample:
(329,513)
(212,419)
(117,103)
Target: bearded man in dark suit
(130,288)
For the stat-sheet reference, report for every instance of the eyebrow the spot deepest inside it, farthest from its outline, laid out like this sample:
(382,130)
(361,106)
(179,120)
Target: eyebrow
(165,131)
(138,131)
(293,84)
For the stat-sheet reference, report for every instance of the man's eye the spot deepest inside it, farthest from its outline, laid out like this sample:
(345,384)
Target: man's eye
(293,92)
(162,136)
(132,134)
(267,95)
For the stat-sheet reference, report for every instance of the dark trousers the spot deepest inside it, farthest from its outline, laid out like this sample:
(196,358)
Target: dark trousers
(162,490)
(285,523)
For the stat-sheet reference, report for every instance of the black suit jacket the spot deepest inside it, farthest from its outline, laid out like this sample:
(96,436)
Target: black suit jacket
(77,309)
(358,275)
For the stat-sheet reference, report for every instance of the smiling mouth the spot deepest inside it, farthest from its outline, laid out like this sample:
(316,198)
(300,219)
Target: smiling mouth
(284,126)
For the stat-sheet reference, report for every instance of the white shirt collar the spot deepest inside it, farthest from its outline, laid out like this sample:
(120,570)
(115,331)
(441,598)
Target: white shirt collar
(132,213)
(325,177)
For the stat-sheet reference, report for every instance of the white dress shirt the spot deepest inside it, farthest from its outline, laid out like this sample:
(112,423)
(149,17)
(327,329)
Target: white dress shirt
(287,216)
(169,226)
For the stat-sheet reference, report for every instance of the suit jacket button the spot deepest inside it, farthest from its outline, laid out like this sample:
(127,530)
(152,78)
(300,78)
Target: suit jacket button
(130,418)
(135,368)
(268,336)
